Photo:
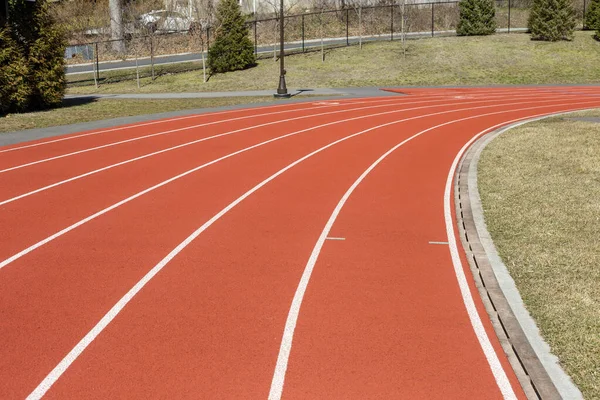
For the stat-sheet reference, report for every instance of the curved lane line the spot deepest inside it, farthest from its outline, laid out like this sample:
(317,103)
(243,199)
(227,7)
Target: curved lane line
(308,102)
(290,325)
(119,128)
(86,174)
(174,178)
(137,125)
(146,137)
(64,364)
(194,127)
(20,166)
(10,200)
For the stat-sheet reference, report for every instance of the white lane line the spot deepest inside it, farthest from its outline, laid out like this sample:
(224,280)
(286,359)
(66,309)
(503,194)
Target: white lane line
(290,325)
(133,126)
(152,135)
(335,238)
(199,126)
(402,102)
(62,366)
(163,183)
(488,349)
(21,196)
(484,341)
(137,125)
(120,203)
(18,197)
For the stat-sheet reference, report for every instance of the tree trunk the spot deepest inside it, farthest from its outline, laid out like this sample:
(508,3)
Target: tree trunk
(116,25)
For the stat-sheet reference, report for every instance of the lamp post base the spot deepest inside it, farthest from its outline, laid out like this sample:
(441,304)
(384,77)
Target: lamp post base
(282,92)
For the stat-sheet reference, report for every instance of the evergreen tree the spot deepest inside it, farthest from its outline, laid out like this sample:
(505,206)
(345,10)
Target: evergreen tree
(477,17)
(552,20)
(15,91)
(46,61)
(232,49)
(33,53)
(592,15)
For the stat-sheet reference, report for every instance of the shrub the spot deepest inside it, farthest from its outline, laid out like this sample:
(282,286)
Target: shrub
(232,49)
(15,91)
(552,20)
(592,15)
(477,17)
(33,49)
(46,61)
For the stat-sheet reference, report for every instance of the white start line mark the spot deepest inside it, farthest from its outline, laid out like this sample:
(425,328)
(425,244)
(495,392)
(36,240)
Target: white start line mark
(438,243)
(326,103)
(335,238)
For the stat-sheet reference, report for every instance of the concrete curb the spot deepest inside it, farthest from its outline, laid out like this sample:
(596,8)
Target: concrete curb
(537,369)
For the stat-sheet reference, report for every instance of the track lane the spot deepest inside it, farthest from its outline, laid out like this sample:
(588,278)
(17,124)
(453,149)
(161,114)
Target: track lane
(28,221)
(44,261)
(66,285)
(83,134)
(137,324)
(57,170)
(19,157)
(349,348)
(232,332)
(121,135)
(121,128)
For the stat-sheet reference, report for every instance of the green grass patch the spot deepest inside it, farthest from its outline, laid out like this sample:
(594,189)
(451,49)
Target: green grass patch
(497,59)
(540,189)
(72,113)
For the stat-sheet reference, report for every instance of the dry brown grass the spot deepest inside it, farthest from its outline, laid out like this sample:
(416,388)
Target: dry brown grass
(498,59)
(540,188)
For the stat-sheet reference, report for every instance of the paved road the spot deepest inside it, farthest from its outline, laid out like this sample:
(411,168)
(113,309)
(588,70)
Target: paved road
(263,49)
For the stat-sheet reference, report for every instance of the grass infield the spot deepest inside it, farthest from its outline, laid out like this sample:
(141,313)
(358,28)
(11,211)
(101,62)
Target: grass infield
(540,189)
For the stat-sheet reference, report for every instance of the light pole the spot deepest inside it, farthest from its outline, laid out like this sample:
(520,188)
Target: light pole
(282,91)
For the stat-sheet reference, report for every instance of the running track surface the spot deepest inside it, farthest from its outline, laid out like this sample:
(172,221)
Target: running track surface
(278,252)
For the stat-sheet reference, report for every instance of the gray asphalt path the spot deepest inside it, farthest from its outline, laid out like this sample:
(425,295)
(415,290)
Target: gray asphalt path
(263,49)
(247,93)
(194,57)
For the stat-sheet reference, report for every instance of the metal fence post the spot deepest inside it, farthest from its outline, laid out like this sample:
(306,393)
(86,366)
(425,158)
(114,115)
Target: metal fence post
(584,4)
(152,56)
(303,33)
(97,63)
(392,22)
(208,37)
(432,19)
(509,16)
(255,40)
(347,22)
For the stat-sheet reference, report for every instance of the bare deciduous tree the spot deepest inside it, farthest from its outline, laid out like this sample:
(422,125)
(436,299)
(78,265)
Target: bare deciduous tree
(116,25)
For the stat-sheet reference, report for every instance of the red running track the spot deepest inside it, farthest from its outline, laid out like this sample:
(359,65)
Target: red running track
(265,253)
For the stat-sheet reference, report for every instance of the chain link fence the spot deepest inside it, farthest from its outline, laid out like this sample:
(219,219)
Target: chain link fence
(99,62)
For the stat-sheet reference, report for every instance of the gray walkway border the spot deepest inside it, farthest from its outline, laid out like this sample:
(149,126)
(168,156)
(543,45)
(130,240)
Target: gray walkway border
(537,369)
(212,95)
(324,94)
